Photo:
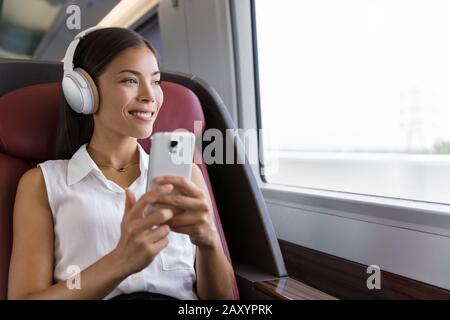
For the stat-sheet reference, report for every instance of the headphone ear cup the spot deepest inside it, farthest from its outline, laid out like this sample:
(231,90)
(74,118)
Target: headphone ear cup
(72,91)
(80,91)
(92,88)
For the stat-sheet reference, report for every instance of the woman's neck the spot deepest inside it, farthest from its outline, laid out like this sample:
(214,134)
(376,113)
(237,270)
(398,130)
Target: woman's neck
(115,152)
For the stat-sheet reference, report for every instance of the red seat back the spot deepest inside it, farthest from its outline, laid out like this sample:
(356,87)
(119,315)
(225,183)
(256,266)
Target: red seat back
(28,124)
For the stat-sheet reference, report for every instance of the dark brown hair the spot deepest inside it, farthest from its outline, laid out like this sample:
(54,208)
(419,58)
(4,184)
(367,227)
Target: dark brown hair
(93,54)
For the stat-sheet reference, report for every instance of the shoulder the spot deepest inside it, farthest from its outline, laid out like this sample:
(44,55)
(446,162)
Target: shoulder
(31,178)
(31,187)
(53,164)
(54,171)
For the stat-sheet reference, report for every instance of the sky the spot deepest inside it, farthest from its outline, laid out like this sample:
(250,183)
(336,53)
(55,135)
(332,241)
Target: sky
(354,74)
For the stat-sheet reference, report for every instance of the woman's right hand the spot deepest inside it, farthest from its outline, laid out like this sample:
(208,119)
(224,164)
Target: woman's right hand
(142,237)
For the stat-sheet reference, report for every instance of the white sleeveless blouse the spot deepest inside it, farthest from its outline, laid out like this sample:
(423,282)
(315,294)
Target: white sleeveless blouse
(87,211)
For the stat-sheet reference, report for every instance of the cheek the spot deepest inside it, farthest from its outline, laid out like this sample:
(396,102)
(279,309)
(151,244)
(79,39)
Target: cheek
(111,112)
(160,97)
(114,99)
(118,94)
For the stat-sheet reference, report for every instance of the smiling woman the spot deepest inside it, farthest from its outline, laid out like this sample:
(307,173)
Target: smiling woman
(105,54)
(74,211)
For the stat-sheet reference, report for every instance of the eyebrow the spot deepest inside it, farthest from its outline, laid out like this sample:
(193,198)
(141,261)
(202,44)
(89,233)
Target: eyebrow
(138,73)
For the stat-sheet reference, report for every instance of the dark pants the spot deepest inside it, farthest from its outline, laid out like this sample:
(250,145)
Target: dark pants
(143,296)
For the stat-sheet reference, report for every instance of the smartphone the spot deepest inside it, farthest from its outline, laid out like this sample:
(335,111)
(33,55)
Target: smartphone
(171,154)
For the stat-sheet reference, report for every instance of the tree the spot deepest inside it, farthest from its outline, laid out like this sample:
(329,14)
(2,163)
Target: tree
(442,147)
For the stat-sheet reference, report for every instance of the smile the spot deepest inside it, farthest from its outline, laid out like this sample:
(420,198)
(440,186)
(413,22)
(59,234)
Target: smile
(145,116)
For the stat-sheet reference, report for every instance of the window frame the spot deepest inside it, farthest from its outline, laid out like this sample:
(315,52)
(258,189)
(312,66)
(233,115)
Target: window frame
(402,213)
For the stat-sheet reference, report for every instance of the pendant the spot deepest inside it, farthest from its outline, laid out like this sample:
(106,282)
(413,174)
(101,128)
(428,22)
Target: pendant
(121,170)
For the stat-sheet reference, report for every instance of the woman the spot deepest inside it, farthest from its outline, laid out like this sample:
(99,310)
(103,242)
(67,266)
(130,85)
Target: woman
(82,213)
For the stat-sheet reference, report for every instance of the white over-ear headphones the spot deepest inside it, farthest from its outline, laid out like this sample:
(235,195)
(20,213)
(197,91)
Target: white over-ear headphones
(78,87)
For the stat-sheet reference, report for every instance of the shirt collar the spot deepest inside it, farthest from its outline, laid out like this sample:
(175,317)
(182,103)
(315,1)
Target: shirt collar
(81,164)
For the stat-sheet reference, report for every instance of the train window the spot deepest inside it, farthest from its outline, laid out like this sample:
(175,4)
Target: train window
(23,25)
(357,95)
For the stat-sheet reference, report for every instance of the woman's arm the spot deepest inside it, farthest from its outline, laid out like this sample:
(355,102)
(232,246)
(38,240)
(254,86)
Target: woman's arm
(31,267)
(215,275)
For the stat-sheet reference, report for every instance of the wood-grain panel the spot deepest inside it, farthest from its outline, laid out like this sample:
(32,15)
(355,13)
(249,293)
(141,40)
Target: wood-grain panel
(346,279)
(290,289)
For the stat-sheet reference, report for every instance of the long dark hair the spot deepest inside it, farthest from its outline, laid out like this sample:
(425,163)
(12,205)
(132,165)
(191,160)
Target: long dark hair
(93,54)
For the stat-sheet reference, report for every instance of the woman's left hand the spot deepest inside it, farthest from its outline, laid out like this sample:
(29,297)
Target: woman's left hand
(195,218)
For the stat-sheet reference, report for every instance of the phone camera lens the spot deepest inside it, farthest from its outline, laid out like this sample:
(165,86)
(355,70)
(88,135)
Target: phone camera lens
(173,143)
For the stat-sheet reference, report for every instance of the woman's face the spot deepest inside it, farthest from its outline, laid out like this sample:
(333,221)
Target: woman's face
(130,94)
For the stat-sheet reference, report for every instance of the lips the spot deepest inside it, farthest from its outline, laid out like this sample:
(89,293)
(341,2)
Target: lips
(143,114)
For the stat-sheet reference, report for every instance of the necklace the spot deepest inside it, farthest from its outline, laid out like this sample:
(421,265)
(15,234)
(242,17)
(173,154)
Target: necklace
(121,169)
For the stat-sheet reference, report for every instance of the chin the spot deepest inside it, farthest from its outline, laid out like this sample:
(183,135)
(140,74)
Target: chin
(144,135)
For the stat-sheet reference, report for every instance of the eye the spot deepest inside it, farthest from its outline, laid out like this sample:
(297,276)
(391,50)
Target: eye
(157,82)
(129,81)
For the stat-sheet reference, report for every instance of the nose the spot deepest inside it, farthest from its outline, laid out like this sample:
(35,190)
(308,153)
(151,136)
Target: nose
(146,93)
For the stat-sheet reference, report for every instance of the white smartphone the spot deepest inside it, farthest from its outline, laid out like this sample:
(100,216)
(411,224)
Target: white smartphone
(171,154)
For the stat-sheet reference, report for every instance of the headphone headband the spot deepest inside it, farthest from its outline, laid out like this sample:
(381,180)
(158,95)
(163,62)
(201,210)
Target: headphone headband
(78,87)
(68,57)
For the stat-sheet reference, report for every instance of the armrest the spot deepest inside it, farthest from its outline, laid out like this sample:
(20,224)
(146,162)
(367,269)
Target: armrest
(290,289)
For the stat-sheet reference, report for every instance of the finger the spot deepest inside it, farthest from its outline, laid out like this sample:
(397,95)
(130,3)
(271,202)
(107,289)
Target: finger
(154,235)
(184,202)
(156,218)
(185,185)
(130,199)
(149,198)
(190,230)
(160,244)
(185,219)
(191,219)
(157,238)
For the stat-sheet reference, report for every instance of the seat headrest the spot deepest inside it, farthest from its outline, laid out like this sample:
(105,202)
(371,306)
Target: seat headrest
(180,109)
(28,120)
(29,117)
